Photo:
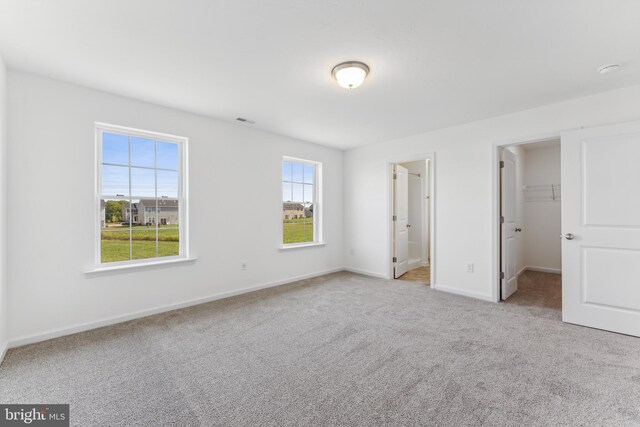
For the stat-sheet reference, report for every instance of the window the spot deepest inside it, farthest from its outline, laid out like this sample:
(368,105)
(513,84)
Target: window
(141,178)
(301,215)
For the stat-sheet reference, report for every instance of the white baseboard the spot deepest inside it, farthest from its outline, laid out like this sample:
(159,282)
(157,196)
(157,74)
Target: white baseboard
(522,271)
(541,269)
(56,333)
(463,292)
(3,351)
(365,272)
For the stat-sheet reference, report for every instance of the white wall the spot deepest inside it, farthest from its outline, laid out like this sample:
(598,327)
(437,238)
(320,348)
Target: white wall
(543,249)
(464,182)
(235,210)
(4,330)
(520,154)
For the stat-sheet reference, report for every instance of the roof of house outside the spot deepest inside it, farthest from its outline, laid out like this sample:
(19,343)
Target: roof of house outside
(294,206)
(161,203)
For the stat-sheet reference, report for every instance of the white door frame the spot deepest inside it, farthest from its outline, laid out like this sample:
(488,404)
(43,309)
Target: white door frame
(495,202)
(432,197)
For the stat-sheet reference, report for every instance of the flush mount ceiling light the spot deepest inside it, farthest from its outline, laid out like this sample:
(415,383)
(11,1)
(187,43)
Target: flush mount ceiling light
(350,74)
(608,68)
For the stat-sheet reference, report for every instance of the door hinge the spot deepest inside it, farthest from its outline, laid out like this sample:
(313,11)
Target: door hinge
(395,176)
(395,259)
(501,220)
(501,163)
(501,275)
(395,218)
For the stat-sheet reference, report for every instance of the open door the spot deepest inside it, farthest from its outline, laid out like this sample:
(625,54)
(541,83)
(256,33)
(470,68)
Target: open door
(400,219)
(601,228)
(509,274)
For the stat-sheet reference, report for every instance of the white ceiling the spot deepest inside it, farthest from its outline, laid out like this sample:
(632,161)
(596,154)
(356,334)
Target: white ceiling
(433,63)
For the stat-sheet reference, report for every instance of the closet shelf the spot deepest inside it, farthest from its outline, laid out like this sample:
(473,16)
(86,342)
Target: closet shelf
(542,193)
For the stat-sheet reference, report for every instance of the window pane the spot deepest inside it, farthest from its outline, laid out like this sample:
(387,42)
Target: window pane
(296,231)
(143,231)
(298,193)
(309,174)
(308,194)
(143,241)
(115,181)
(292,223)
(115,245)
(167,155)
(169,242)
(308,211)
(112,212)
(132,214)
(115,148)
(297,172)
(168,211)
(286,171)
(146,211)
(114,236)
(143,152)
(168,229)
(292,211)
(308,230)
(297,211)
(287,231)
(143,182)
(167,184)
(148,225)
(286,192)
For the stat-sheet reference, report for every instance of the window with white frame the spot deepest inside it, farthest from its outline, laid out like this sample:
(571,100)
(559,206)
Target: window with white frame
(141,196)
(301,215)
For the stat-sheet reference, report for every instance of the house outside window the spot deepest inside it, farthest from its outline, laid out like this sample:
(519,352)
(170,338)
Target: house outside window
(141,196)
(301,202)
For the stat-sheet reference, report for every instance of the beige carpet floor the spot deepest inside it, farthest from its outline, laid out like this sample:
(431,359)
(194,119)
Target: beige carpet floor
(540,294)
(342,349)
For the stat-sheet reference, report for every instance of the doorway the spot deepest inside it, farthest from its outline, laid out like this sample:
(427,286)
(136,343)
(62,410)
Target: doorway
(530,226)
(599,227)
(411,220)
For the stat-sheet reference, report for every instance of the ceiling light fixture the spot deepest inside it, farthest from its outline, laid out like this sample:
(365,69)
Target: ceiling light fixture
(608,68)
(350,74)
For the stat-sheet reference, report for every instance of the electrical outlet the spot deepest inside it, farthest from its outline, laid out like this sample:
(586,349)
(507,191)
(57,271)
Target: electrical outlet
(244,266)
(469,267)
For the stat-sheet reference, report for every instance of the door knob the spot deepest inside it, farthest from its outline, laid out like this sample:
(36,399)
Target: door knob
(518,229)
(568,236)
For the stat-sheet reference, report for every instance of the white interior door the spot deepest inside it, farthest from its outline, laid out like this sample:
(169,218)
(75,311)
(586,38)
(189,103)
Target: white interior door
(400,219)
(509,215)
(601,228)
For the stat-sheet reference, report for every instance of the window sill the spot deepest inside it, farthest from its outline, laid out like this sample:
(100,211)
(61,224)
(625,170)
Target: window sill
(121,267)
(300,246)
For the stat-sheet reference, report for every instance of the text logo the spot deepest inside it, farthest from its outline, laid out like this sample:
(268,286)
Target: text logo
(34,415)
